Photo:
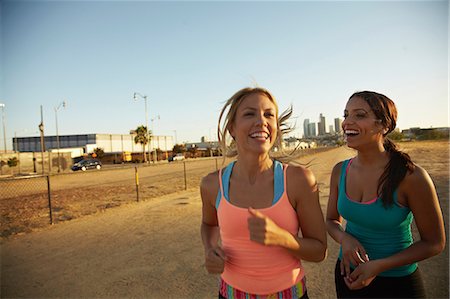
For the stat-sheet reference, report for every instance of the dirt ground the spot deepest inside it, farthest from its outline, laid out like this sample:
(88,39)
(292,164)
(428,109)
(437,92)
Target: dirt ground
(152,248)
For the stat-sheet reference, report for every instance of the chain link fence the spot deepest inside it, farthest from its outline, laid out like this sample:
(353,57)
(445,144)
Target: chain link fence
(15,164)
(30,203)
(24,204)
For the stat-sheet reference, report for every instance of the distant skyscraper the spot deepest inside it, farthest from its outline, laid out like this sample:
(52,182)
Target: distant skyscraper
(322,125)
(331,129)
(306,128)
(338,125)
(312,130)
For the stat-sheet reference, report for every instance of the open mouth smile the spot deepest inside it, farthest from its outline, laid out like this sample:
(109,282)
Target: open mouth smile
(351,133)
(260,135)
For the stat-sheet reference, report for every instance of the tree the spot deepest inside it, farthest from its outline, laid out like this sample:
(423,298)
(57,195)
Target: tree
(193,151)
(142,137)
(99,152)
(179,148)
(432,134)
(396,135)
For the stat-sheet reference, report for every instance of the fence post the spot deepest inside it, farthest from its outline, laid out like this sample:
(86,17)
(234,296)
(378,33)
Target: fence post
(49,199)
(18,161)
(185,179)
(49,162)
(136,175)
(34,163)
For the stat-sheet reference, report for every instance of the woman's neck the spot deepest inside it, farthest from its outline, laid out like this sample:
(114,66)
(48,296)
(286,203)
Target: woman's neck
(373,156)
(252,169)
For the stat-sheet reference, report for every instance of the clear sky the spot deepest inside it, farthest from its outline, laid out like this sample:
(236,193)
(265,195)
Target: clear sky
(189,57)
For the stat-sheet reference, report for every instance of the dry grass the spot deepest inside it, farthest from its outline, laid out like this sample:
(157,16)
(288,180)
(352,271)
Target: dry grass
(152,249)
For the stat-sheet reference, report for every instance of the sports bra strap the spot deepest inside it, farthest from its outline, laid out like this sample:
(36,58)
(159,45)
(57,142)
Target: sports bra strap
(279,182)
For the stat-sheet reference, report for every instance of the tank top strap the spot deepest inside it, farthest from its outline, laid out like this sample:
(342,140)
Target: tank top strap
(224,182)
(344,169)
(285,177)
(279,182)
(279,178)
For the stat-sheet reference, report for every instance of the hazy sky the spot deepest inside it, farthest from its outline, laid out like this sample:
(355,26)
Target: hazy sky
(189,57)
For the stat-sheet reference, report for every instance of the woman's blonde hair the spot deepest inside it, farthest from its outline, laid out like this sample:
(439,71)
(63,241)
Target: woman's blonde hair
(228,115)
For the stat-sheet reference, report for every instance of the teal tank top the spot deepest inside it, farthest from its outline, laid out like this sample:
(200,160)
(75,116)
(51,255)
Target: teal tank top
(382,231)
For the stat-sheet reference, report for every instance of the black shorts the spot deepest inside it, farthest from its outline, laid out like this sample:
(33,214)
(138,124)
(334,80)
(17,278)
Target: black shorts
(410,286)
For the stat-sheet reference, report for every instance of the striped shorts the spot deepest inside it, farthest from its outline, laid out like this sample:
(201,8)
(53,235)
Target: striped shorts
(295,292)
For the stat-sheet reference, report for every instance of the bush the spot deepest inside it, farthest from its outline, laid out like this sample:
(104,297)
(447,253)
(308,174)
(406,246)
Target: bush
(99,153)
(12,162)
(395,135)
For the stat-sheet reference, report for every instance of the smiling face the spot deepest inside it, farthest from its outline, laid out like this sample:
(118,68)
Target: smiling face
(361,126)
(255,125)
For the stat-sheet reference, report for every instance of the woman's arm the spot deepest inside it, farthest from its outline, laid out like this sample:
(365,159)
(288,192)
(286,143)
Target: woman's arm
(312,246)
(214,255)
(352,251)
(333,219)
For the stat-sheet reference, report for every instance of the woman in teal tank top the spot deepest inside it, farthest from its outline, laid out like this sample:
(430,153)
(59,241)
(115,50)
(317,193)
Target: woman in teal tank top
(378,193)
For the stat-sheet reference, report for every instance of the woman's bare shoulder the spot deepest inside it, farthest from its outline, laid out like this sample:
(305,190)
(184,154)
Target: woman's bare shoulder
(416,178)
(300,177)
(210,181)
(337,168)
(299,172)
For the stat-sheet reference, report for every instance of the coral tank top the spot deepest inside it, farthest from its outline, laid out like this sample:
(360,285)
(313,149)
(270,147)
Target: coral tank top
(252,267)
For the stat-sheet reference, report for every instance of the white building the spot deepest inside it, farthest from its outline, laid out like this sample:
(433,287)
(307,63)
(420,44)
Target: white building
(110,143)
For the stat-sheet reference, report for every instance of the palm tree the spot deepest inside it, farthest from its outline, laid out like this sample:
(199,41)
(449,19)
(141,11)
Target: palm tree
(142,137)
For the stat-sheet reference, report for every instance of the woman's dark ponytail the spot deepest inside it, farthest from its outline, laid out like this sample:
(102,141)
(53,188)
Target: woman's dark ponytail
(398,166)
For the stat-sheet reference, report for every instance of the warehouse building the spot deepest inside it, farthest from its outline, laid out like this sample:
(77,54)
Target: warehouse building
(110,143)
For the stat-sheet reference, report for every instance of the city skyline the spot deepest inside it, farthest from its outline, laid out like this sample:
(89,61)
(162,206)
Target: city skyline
(121,143)
(323,128)
(186,59)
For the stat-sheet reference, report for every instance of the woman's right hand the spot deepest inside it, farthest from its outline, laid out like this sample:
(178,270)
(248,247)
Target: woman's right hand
(215,260)
(352,253)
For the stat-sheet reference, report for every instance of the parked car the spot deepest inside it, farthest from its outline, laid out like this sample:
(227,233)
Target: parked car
(177,157)
(87,164)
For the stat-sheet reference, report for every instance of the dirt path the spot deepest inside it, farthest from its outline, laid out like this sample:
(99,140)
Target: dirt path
(152,249)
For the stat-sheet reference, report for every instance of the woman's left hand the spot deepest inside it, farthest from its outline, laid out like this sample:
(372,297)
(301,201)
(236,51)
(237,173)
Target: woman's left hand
(362,276)
(263,230)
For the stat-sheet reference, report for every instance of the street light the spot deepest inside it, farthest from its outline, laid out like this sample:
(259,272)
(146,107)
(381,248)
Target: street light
(135,97)
(63,104)
(4,126)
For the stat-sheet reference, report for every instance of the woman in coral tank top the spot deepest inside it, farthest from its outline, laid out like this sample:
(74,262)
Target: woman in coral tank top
(260,218)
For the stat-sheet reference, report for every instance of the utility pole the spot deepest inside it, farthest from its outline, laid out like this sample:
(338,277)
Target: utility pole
(4,126)
(135,97)
(41,129)
(63,103)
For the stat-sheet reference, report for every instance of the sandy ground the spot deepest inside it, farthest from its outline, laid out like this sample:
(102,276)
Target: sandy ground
(152,248)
